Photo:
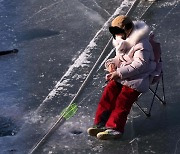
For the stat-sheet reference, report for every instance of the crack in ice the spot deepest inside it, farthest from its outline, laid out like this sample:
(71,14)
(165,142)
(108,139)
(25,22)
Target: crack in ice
(45,8)
(101,8)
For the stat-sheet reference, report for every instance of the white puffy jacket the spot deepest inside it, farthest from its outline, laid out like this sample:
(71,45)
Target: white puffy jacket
(134,58)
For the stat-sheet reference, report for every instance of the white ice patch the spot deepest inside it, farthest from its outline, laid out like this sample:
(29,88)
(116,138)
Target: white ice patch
(133,140)
(98,148)
(172,3)
(33,117)
(81,61)
(137,116)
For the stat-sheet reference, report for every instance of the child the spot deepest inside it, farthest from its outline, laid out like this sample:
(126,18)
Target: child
(129,75)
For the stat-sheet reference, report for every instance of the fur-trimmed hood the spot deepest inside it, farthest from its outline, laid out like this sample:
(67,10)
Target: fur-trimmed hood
(139,32)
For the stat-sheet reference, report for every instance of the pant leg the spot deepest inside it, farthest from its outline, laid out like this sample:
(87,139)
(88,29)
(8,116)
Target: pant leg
(118,117)
(107,102)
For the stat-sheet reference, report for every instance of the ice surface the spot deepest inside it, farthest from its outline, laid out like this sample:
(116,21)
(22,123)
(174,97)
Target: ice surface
(59,42)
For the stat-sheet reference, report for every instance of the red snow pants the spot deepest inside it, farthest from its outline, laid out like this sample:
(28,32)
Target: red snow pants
(115,105)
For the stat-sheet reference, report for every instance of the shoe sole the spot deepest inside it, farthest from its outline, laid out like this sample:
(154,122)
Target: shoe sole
(94,131)
(108,136)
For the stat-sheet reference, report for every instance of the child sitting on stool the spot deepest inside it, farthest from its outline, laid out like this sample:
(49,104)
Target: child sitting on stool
(129,75)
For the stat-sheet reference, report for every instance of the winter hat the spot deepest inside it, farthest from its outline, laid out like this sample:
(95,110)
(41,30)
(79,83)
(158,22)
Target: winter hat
(121,25)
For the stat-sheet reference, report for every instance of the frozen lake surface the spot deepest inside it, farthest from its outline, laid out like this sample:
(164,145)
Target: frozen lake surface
(59,41)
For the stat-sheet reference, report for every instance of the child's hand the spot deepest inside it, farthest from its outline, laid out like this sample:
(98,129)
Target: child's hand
(112,76)
(111,68)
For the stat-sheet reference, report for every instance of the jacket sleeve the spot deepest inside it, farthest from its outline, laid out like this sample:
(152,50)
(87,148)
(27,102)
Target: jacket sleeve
(139,65)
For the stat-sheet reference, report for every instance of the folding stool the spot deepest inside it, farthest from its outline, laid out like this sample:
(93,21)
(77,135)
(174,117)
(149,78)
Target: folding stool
(157,77)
